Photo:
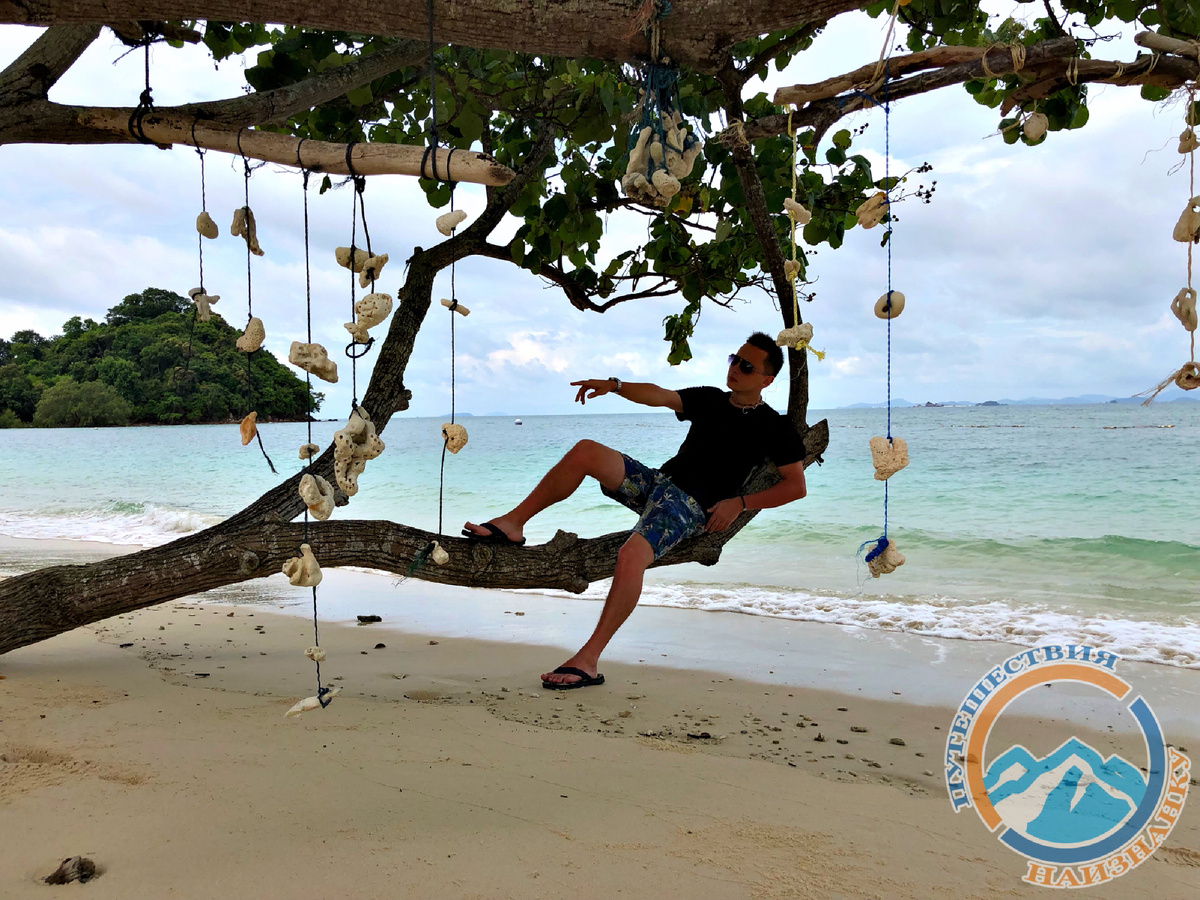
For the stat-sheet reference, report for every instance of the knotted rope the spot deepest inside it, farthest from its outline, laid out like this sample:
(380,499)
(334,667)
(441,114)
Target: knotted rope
(145,101)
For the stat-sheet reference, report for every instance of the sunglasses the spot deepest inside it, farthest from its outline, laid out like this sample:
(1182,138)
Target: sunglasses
(744,365)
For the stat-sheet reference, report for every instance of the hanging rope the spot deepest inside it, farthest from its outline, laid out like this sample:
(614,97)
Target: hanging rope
(354,349)
(187,356)
(322,691)
(145,101)
(250,299)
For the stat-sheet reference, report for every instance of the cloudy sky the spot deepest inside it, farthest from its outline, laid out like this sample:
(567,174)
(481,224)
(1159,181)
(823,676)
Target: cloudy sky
(1044,271)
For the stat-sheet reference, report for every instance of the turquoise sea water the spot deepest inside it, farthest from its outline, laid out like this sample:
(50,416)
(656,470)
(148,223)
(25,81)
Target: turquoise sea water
(1020,524)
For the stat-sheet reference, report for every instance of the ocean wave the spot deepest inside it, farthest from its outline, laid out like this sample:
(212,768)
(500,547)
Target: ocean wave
(116,522)
(1174,642)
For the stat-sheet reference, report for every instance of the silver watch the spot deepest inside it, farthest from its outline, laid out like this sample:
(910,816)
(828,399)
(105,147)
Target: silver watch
(616,381)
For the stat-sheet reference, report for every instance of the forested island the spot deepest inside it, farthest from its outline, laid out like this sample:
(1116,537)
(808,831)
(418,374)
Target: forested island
(150,362)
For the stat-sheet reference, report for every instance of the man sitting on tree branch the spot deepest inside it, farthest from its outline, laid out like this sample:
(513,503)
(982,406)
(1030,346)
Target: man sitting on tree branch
(694,491)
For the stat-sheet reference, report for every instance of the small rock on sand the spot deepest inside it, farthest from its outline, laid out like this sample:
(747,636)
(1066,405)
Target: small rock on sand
(367,620)
(899,742)
(75,868)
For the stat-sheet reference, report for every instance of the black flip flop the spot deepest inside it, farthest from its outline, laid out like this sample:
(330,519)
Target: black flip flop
(586,680)
(494,536)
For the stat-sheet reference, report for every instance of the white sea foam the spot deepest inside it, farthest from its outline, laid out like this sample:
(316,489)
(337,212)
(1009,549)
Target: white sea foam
(1174,642)
(142,524)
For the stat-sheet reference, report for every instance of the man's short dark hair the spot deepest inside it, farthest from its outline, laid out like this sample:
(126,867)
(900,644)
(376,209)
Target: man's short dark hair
(767,343)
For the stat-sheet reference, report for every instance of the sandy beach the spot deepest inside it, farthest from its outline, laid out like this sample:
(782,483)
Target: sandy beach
(156,744)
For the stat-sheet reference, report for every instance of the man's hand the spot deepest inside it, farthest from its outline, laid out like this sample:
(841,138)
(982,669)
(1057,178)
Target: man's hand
(721,515)
(598,387)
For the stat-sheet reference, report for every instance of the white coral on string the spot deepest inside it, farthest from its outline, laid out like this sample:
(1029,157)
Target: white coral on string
(1184,308)
(885,561)
(353,446)
(304,570)
(204,303)
(369,312)
(888,456)
(310,703)
(872,210)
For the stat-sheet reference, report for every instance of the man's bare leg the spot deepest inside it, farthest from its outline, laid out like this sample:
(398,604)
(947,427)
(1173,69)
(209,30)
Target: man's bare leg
(633,559)
(585,458)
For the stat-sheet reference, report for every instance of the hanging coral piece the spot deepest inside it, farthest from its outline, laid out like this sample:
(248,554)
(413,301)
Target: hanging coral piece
(343,258)
(454,436)
(317,494)
(889,309)
(447,222)
(369,312)
(888,457)
(316,654)
(308,451)
(314,359)
(1187,228)
(1035,127)
(303,570)
(799,337)
(354,445)
(663,151)
(248,428)
(872,210)
(1187,141)
(243,226)
(798,213)
(310,703)
(884,558)
(791,269)
(438,554)
(455,306)
(254,335)
(203,302)
(1184,308)
(372,269)
(1188,376)
(206,226)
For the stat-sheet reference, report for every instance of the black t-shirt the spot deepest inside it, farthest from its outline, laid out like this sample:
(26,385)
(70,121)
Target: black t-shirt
(725,443)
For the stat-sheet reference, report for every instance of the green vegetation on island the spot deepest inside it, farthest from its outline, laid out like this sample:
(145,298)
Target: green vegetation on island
(150,362)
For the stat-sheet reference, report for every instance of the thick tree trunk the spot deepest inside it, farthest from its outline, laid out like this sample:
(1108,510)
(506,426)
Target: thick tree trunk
(695,33)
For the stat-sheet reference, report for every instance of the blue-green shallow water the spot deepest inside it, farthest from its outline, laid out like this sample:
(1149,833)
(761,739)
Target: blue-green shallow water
(1019,523)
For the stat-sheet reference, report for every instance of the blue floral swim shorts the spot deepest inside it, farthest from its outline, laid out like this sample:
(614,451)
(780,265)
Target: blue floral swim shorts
(667,513)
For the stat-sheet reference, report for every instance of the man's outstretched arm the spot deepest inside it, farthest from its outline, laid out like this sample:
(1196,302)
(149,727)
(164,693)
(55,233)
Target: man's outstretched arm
(792,487)
(644,393)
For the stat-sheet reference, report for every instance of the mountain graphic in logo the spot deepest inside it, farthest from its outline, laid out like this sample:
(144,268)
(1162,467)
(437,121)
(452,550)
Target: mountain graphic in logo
(1072,796)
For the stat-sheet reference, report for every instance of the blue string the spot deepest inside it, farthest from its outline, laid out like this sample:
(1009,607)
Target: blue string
(887,158)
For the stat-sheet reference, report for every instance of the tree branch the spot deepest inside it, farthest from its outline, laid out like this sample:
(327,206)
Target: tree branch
(695,34)
(1046,60)
(765,56)
(38,69)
